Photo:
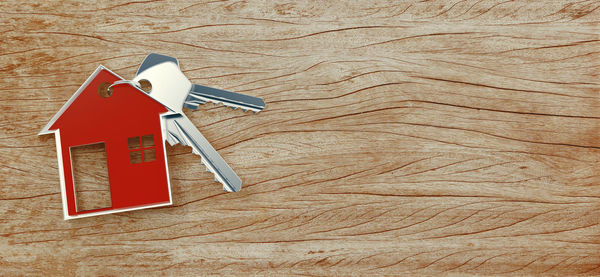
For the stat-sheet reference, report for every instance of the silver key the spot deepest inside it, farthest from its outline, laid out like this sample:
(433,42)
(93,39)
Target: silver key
(171,88)
(182,93)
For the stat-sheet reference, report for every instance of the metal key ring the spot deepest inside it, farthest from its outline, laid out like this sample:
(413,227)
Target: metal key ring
(131,82)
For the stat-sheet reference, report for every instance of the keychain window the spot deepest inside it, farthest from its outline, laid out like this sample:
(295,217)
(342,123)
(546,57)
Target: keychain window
(141,149)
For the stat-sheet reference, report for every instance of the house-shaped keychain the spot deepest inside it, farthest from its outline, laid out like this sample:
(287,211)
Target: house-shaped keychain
(127,124)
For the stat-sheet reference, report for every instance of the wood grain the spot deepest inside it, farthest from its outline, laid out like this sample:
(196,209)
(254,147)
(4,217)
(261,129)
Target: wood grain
(399,138)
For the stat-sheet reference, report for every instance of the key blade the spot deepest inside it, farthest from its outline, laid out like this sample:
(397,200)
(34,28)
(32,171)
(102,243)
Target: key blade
(181,129)
(201,94)
(154,59)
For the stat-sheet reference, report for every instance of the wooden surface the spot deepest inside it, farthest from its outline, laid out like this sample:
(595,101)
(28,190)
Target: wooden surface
(416,137)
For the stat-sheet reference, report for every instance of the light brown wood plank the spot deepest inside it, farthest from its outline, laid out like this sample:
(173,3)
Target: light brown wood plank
(400,138)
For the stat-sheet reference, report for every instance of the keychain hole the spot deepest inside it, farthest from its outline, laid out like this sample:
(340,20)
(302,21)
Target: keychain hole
(145,85)
(104,90)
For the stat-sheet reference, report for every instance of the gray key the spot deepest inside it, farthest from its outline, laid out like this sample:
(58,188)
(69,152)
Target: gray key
(187,94)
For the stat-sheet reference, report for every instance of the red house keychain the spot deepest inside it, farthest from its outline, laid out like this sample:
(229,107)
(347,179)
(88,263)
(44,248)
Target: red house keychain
(88,118)
(133,126)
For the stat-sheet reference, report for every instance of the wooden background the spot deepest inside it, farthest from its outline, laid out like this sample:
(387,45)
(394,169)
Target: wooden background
(400,137)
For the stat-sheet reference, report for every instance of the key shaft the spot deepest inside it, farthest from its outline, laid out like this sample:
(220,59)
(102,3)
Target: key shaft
(201,94)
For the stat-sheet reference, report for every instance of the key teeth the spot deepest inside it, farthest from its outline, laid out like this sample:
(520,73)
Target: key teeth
(214,174)
(232,106)
(217,179)
(176,134)
(206,166)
